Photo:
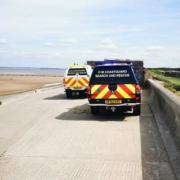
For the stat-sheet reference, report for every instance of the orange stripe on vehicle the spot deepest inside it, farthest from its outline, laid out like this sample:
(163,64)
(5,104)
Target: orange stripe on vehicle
(104,90)
(84,83)
(113,96)
(68,80)
(132,95)
(72,83)
(86,80)
(131,88)
(72,79)
(95,88)
(118,95)
(81,83)
(127,93)
(123,93)
(107,95)
(99,92)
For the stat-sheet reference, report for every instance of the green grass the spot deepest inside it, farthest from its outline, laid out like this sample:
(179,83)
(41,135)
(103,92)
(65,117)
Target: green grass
(171,83)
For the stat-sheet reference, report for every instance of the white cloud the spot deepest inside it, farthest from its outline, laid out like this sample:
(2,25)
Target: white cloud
(73,29)
(69,41)
(107,44)
(48,44)
(3,41)
(62,43)
(155,48)
(118,30)
(69,4)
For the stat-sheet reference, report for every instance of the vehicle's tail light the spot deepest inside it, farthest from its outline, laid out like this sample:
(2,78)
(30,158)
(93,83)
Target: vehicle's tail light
(89,89)
(138,89)
(64,81)
(138,92)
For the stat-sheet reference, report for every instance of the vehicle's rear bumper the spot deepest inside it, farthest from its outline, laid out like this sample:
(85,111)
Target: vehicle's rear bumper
(72,89)
(115,105)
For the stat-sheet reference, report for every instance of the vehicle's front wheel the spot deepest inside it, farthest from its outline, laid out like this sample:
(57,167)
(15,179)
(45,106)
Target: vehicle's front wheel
(94,110)
(137,110)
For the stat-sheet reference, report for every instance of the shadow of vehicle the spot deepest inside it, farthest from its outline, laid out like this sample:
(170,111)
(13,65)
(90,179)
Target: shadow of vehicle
(63,97)
(82,113)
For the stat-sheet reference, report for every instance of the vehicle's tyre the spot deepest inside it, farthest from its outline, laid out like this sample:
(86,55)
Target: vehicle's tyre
(82,94)
(137,110)
(68,94)
(94,110)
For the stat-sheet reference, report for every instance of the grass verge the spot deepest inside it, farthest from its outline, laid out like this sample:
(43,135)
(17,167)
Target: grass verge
(171,83)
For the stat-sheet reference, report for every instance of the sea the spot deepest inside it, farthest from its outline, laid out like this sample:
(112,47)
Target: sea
(31,71)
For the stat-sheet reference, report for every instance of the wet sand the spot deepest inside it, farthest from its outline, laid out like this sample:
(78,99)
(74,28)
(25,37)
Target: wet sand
(10,84)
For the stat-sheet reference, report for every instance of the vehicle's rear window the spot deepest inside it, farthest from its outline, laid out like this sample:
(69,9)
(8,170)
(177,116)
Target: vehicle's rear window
(77,71)
(112,75)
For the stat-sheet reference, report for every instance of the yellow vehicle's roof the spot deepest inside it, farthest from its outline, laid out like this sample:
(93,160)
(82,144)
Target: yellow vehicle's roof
(78,66)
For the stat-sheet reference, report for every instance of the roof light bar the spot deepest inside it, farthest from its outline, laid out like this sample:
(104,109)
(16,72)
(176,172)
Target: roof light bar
(113,62)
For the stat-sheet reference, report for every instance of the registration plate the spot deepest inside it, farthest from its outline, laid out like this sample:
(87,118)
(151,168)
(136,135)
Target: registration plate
(77,88)
(113,101)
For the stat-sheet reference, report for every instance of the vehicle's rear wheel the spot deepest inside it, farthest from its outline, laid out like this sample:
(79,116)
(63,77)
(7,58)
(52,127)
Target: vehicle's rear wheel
(137,110)
(68,94)
(94,110)
(82,94)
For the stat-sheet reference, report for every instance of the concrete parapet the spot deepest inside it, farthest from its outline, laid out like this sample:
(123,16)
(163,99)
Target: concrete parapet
(165,105)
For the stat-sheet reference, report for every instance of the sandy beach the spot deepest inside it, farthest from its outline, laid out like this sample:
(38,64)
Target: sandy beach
(10,84)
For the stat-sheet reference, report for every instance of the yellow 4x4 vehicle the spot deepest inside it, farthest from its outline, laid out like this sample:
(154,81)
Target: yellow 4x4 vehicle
(114,87)
(76,79)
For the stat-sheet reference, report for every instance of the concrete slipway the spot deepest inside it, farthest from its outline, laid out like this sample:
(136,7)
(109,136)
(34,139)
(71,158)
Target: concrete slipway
(43,136)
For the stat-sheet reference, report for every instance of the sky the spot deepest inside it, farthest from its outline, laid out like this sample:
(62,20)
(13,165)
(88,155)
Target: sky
(56,33)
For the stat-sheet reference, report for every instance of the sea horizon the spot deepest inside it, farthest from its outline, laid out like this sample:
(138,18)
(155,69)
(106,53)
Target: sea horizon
(31,71)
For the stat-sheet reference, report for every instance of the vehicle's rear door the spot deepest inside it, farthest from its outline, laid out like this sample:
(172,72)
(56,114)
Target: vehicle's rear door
(113,83)
(77,78)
